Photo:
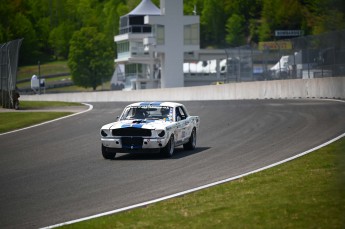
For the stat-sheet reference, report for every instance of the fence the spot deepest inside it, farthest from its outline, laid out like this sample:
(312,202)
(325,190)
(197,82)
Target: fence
(8,72)
(305,57)
(298,58)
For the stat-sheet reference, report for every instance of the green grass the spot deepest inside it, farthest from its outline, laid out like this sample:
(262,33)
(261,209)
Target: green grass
(16,120)
(25,72)
(27,105)
(54,67)
(308,192)
(75,88)
(47,81)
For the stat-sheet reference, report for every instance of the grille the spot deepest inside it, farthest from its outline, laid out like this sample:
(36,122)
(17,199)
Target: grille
(131,131)
(132,142)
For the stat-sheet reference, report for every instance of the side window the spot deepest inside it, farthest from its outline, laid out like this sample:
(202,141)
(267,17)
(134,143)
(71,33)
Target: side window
(180,114)
(185,114)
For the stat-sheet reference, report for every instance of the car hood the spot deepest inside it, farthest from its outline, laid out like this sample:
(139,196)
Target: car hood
(144,124)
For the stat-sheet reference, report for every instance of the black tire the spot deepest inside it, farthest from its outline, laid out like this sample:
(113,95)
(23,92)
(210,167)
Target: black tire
(168,150)
(106,154)
(190,145)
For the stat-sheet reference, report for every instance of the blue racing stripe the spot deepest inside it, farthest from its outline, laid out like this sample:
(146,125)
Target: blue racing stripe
(155,103)
(132,125)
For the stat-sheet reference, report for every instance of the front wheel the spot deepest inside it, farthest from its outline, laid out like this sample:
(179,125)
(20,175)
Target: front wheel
(190,145)
(168,150)
(106,154)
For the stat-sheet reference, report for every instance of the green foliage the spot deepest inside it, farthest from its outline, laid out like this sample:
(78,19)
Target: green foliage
(265,33)
(90,58)
(280,15)
(235,30)
(59,39)
(23,28)
(212,23)
(47,26)
(324,15)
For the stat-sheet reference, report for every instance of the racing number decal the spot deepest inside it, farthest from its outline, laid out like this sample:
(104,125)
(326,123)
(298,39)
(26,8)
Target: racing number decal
(183,134)
(184,129)
(183,125)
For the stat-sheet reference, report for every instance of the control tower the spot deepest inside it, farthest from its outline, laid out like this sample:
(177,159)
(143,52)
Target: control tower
(152,43)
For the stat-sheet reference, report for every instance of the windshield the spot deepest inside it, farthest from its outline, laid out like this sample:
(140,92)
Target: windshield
(148,112)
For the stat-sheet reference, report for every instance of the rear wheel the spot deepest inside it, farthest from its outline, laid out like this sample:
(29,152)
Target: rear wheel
(168,150)
(106,154)
(190,145)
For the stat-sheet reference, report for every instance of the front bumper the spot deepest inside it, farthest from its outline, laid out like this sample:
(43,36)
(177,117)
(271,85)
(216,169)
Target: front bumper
(133,144)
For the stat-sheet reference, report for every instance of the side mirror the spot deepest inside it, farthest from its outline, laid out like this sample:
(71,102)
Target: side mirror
(117,118)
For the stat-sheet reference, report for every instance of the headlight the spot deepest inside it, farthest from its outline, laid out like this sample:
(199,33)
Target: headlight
(161,133)
(103,133)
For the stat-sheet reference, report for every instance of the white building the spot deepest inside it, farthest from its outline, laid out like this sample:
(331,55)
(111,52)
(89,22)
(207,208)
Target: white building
(152,43)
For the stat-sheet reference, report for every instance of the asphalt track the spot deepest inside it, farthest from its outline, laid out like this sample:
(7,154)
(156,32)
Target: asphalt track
(55,173)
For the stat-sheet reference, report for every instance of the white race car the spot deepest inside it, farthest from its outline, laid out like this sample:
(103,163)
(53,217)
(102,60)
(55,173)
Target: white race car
(156,127)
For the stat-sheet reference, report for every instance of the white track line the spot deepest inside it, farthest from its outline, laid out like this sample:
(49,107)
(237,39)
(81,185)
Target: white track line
(54,120)
(197,188)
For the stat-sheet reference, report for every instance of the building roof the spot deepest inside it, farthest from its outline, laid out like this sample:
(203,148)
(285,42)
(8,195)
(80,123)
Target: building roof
(146,7)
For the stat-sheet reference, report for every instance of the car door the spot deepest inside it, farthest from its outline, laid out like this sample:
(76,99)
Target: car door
(182,123)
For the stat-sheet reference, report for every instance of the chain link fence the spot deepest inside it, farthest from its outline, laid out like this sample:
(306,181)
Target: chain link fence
(298,58)
(8,73)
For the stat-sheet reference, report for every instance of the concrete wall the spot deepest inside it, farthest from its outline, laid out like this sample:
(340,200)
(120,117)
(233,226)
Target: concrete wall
(333,87)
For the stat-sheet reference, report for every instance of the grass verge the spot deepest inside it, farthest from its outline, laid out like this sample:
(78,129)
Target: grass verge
(27,105)
(54,67)
(308,192)
(26,72)
(16,120)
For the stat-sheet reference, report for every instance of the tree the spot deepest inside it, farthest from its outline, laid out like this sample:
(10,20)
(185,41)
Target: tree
(324,15)
(212,21)
(280,15)
(59,39)
(235,30)
(111,25)
(47,25)
(87,12)
(90,58)
(23,28)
